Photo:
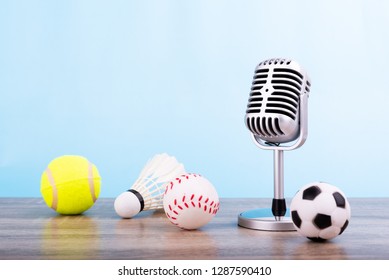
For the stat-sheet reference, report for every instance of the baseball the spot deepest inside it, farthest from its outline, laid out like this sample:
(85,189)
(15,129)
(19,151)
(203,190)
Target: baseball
(190,201)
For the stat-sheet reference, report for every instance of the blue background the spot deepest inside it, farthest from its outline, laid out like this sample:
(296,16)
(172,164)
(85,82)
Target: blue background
(119,81)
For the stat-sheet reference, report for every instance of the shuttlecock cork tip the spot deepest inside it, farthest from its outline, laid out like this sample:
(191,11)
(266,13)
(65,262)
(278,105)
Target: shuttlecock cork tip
(128,204)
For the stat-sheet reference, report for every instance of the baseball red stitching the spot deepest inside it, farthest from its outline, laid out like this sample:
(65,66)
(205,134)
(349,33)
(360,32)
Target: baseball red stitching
(178,180)
(209,210)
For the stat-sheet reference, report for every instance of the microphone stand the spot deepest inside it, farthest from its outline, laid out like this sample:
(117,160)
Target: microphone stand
(278,205)
(277,218)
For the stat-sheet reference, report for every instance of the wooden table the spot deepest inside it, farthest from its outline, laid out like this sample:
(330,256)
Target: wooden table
(30,230)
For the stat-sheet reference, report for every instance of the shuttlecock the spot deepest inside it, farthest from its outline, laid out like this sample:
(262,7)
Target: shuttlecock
(148,190)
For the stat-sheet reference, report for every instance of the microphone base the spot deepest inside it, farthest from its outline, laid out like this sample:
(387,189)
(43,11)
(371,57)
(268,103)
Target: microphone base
(263,219)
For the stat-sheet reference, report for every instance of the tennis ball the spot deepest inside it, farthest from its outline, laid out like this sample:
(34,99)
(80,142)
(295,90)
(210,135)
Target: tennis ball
(70,184)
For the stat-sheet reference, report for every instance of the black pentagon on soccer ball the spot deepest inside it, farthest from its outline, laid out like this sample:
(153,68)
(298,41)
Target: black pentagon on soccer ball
(317,239)
(343,227)
(339,199)
(296,219)
(322,221)
(311,193)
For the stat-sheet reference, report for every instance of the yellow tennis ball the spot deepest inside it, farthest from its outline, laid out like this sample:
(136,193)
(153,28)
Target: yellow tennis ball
(70,184)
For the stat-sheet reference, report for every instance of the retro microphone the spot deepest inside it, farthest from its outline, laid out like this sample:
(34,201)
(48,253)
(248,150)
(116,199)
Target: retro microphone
(276,116)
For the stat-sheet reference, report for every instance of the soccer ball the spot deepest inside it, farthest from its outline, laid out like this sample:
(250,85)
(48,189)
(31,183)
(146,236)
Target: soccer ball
(320,211)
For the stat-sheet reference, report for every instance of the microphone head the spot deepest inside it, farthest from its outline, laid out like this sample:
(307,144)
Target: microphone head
(274,106)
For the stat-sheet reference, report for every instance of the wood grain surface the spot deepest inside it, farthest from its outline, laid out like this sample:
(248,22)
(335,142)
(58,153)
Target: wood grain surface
(30,230)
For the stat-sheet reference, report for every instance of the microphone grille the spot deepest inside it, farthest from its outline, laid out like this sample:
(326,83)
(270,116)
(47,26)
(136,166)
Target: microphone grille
(273,106)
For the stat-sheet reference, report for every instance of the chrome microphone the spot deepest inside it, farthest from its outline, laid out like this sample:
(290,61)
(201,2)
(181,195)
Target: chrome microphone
(276,116)
(277,107)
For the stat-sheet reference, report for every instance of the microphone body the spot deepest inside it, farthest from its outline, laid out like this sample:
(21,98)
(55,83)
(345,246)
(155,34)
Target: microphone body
(277,107)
